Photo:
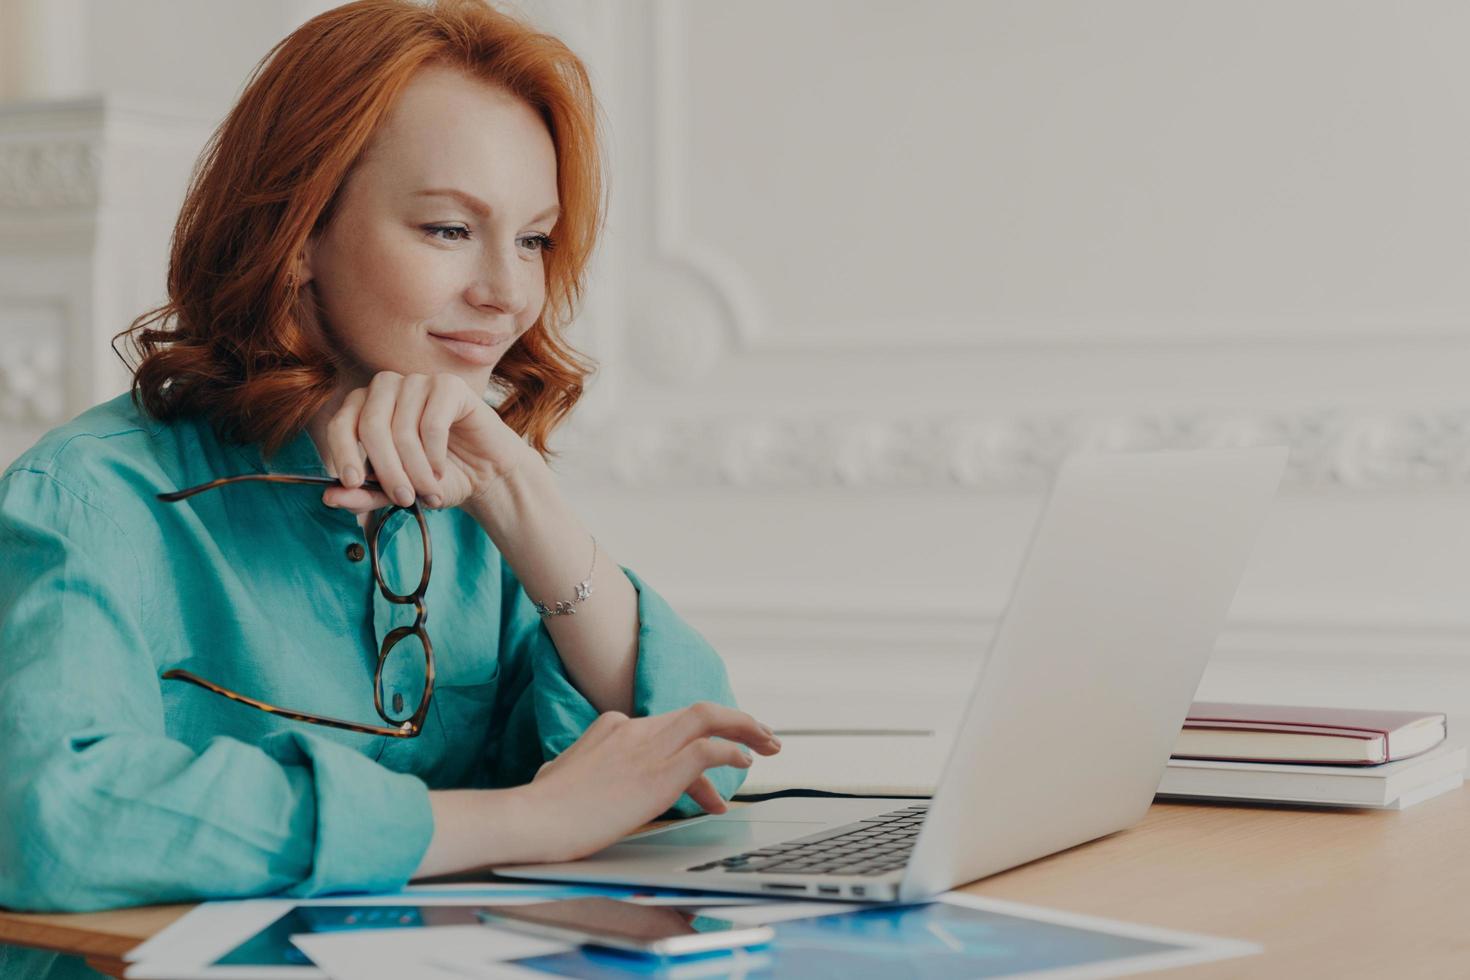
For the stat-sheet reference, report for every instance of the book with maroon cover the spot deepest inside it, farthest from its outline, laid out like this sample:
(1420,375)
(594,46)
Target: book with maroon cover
(1310,736)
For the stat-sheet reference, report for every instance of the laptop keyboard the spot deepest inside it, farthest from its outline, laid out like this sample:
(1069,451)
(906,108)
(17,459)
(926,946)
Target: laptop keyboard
(873,846)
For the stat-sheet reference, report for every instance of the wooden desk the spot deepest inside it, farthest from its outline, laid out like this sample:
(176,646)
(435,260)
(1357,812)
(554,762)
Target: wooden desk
(1329,893)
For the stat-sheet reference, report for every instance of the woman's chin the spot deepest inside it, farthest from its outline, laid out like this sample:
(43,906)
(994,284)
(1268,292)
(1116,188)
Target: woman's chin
(478,380)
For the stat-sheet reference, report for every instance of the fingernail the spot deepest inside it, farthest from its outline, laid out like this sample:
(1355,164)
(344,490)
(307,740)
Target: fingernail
(349,476)
(404,495)
(433,500)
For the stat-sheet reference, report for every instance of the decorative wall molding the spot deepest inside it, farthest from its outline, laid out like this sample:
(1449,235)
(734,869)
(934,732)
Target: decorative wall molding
(48,172)
(853,623)
(72,152)
(735,299)
(1330,448)
(32,383)
(89,191)
(678,333)
(732,296)
(1162,333)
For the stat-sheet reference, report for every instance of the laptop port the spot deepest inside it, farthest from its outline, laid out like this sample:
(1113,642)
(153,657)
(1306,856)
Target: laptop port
(859,889)
(777,886)
(829,889)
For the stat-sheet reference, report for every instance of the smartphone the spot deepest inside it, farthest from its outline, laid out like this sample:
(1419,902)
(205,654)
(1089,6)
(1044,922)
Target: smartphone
(660,930)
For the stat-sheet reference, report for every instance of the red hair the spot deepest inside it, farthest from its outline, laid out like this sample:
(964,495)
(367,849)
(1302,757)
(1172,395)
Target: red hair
(246,349)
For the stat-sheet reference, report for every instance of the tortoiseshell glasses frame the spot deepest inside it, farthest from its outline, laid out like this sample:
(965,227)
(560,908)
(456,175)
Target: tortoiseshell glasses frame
(395,727)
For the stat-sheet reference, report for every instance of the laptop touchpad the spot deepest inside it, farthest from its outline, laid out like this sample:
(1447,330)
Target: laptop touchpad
(741,834)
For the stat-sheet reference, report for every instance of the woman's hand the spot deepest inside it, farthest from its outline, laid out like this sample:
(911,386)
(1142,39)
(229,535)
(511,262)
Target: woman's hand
(625,771)
(419,435)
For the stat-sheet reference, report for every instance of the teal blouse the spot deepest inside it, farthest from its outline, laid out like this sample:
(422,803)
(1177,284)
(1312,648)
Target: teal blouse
(118,788)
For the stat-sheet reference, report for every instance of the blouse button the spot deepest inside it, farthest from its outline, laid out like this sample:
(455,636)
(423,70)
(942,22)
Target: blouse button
(355,552)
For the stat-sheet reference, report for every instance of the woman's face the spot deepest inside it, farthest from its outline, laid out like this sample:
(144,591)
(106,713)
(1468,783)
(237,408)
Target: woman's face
(433,261)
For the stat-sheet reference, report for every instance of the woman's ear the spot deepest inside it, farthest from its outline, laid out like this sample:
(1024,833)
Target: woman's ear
(303,262)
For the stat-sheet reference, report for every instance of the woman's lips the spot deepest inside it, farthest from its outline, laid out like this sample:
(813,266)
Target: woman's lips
(481,354)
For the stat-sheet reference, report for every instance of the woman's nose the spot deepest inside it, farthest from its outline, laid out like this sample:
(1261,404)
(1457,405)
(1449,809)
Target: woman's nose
(500,285)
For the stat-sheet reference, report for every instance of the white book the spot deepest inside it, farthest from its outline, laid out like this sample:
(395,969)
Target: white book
(1393,785)
(1304,735)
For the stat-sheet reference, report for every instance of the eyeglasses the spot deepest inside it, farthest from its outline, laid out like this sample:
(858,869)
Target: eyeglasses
(396,727)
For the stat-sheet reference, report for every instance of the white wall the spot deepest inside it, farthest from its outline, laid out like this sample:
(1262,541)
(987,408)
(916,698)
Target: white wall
(873,268)
(884,264)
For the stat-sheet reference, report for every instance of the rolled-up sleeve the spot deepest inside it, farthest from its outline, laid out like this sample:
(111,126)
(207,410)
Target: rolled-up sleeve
(676,667)
(99,808)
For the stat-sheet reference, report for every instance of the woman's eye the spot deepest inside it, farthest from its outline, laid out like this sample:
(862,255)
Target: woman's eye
(455,230)
(538,243)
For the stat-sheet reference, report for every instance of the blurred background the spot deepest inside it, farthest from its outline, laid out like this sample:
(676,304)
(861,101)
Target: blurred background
(873,268)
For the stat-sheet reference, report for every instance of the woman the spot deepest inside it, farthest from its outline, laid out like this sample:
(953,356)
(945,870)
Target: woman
(394,220)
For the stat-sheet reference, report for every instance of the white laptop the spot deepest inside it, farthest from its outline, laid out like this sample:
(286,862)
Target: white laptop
(1128,578)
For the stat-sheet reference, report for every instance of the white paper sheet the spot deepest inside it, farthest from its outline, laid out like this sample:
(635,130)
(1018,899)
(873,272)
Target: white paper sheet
(448,953)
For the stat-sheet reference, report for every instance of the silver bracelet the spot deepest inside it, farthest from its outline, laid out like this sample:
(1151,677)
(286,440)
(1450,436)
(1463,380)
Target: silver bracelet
(583,588)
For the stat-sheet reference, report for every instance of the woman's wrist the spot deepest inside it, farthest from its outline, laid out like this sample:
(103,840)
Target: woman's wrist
(499,507)
(477,828)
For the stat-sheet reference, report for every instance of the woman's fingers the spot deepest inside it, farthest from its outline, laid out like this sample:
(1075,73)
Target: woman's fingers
(706,753)
(397,429)
(346,461)
(706,718)
(441,411)
(703,792)
(402,424)
(359,501)
(375,431)
(413,396)
(620,774)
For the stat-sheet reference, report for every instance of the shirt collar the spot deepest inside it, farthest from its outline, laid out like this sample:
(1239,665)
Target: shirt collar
(299,455)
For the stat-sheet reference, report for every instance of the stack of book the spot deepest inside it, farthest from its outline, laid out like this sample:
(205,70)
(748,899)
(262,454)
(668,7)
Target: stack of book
(1249,752)
(1324,756)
